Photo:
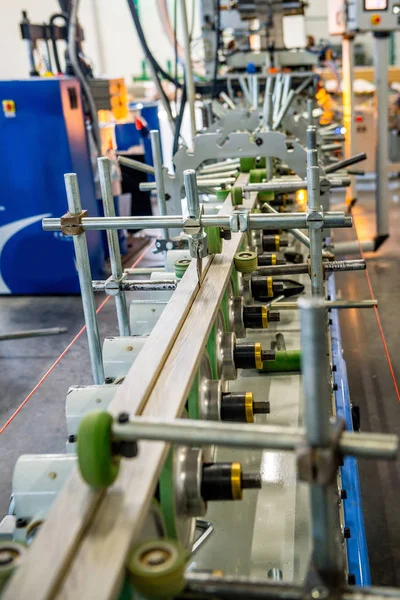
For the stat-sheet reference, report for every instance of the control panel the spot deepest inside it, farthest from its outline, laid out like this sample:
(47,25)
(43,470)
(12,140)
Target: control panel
(363,15)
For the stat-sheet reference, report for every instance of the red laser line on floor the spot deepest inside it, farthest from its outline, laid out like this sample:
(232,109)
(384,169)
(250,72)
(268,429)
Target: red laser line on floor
(53,366)
(378,319)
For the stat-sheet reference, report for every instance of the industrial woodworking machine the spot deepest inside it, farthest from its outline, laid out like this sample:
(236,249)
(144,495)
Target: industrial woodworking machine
(214,454)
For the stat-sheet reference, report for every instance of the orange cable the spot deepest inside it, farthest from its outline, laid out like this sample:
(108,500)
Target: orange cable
(378,319)
(53,366)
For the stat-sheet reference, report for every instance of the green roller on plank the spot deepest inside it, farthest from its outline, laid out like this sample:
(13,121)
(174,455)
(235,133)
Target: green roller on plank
(286,360)
(257,175)
(222,195)
(266,196)
(246,164)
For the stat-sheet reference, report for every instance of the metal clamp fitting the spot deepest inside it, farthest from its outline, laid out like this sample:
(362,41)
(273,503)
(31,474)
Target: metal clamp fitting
(72,224)
(320,465)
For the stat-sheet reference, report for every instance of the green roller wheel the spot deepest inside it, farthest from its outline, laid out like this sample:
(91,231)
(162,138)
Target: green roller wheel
(266,196)
(156,569)
(246,164)
(246,261)
(237,195)
(257,175)
(180,267)
(286,360)
(222,195)
(11,556)
(214,240)
(98,467)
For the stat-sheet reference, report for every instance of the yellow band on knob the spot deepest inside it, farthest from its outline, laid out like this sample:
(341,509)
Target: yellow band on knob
(258,355)
(277,243)
(236,481)
(264,317)
(270,287)
(248,406)
(273,259)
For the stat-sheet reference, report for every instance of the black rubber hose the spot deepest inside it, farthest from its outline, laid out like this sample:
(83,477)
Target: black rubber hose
(217,43)
(179,119)
(53,38)
(146,48)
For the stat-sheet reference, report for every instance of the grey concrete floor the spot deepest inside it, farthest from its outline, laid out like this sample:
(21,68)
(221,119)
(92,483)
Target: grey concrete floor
(371,384)
(40,427)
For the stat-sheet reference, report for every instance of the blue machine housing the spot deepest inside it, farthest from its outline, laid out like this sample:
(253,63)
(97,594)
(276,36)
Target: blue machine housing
(356,544)
(45,139)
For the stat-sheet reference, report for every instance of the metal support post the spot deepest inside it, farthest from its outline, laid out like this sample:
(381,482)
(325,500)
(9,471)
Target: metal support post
(268,114)
(317,401)
(188,70)
(310,109)
(381,57)
(113,245)
(197,238)
(316,270)
(85,281)
(348,107)
(158,171)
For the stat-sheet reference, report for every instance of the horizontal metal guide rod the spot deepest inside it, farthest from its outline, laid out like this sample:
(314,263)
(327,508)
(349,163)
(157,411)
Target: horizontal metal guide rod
(17,335)
(257,221)
(136,285)
(340,304)
(342,164)
(272,437)
(136,164)
(227,164)
(200,585)
(329,266)
(286,187)
(202,184)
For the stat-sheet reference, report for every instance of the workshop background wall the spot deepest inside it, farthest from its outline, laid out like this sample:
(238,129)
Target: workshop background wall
(111,40)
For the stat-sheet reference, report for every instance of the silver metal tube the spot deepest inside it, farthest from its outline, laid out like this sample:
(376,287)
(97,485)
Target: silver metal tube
(220,174)
(136,285)
(224,96)
(314,205)
(188,69)
(245,89)
(135,164)
(291,186)
(225,164)
(220,167)
(256,221)
(85,281)
(330,147)
(261,437)
(284,110)
(29,333)
(347,162)
(317,401)
(113,245)
(192,195)
(256,91)
(353,247)
(339,304)
(310,109)
(209,183)
(314,352)
(277,97)
(302,268)
(381,61)
(158,170)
